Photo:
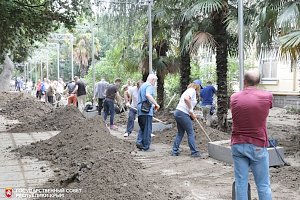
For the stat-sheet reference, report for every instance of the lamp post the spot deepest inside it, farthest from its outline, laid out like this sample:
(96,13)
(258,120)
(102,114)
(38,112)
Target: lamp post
(62,36)
(35,62)
(57,48)
(150,3)
(93,57)
(241,42)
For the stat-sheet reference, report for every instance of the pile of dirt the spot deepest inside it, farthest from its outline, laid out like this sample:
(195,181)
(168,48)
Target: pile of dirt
(88,157)
(23,107)
(288,176)
(84,154)
(58,119)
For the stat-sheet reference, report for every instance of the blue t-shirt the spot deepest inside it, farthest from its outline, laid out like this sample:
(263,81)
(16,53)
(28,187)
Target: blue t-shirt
(207,94)
(146,88)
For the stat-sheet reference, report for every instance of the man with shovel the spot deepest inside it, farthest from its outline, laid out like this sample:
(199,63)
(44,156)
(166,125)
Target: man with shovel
(249,140)
(133,93)
(184,115)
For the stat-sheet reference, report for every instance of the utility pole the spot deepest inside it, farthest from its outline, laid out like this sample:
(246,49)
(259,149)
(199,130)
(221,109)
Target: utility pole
(241,41)
(150,3)
(93,56)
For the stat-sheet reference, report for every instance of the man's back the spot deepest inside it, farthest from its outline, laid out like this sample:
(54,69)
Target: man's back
(250,109)
(101,88)
(111,91)
(71,87)
(207,94)
(81,88)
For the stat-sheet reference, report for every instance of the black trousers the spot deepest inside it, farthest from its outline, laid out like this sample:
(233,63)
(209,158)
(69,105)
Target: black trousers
(100,105)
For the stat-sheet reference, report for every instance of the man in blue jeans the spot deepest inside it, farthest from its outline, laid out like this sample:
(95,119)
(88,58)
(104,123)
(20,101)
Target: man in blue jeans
(207,94)
(249,140)
(146,93)
(112,93)
(133,93)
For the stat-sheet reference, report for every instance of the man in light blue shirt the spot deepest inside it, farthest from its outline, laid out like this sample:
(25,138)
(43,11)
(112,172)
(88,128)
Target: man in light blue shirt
(146,93)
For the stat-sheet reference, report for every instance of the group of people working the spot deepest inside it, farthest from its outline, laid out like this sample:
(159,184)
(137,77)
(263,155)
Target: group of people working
(249,107)
(249,140)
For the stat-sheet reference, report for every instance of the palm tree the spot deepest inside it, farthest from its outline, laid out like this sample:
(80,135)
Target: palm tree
(211,31)
(83,51)
(82,55)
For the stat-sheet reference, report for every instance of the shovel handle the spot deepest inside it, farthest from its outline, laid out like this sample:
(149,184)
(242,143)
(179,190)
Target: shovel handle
(203,130)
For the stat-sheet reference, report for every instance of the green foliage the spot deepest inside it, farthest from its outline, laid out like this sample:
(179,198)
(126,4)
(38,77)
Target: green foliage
(172,87)
(24,22)
(110,68)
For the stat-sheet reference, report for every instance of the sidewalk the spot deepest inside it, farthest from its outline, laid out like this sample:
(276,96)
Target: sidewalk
(18,172)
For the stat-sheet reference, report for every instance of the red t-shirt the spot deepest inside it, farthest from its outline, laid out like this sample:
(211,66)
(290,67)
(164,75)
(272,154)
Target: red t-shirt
(250,109)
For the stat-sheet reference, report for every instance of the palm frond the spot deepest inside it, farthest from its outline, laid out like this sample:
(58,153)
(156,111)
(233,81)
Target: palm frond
(203,7)
(290,45)
(289,15)
(165,65)
(202,39)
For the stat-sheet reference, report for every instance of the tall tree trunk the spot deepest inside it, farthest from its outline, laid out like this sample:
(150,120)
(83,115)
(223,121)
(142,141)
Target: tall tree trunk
(185,68)
(221,39)
(161,51)
(5,76)
(144,65)
(160,89)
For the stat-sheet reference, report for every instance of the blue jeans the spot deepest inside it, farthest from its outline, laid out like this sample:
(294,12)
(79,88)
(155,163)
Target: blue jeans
(249,156)
(184,124)
(130,121)
(109,109)
(144,134)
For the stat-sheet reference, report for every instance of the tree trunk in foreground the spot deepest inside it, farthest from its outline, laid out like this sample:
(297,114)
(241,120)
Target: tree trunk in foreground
(5,76)
(221,38)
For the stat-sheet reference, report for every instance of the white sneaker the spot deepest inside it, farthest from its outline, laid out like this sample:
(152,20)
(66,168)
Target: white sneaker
(152,135)
(126,134)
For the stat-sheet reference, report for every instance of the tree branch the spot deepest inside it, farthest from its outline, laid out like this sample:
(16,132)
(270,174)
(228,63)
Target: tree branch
(30,6)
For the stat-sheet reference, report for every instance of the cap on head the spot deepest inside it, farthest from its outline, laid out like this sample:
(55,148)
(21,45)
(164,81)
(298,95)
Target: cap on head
(197,82)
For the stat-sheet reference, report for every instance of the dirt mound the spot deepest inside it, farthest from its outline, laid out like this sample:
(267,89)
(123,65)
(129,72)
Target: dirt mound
(289,176)
(58,119)
(23,107)
(87,157)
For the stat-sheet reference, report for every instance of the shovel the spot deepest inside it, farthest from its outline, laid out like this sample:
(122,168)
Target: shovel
(203,130)
(233,191)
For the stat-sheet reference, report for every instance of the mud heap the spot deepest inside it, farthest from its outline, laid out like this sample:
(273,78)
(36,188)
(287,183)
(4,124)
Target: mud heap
(23,107)
(84,155)
(87,157)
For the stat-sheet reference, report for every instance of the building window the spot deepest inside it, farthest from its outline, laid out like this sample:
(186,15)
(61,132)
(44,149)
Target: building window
(269,69)
(269,61)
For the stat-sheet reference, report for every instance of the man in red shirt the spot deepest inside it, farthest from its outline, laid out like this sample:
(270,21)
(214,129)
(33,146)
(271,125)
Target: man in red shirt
(249,140)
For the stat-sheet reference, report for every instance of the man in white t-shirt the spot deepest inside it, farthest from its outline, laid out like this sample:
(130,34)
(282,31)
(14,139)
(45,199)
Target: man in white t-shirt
(133,93)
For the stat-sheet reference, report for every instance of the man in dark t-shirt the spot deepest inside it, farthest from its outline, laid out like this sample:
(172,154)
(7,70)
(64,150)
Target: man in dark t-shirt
(109,102)
(80,91)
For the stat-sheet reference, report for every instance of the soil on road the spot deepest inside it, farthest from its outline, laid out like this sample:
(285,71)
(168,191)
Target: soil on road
(105,165)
